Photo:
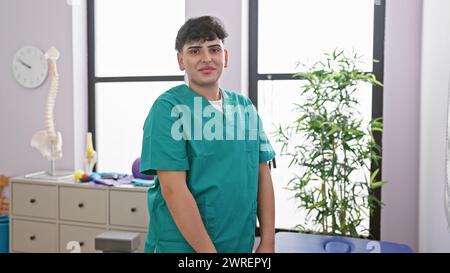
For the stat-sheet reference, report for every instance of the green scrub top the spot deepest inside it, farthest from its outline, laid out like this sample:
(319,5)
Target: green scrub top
(221,172)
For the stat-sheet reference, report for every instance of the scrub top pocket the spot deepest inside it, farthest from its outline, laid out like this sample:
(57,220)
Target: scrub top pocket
(208,215)
(251,149)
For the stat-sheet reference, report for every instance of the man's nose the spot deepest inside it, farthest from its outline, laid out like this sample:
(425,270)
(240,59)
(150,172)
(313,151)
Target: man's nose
(206,57)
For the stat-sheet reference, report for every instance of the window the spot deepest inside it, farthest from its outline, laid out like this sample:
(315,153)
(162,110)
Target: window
(285,32)
(132,61)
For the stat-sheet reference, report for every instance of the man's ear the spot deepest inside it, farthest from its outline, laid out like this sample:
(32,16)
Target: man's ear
(180,61)
(226,58)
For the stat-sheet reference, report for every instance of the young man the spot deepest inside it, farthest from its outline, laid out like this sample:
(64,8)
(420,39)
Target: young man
(213,178)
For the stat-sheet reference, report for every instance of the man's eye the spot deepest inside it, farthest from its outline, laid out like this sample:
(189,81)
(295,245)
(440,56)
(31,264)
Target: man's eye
(194,51)
(216,49)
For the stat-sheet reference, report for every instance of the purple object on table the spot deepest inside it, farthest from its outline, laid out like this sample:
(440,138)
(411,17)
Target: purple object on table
(121,180)
(136,170)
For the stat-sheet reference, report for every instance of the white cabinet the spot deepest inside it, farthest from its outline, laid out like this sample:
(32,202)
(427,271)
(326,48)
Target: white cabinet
(83,235)
(128,209)
(82,205)
(47,215)
(33,236)
(34,200)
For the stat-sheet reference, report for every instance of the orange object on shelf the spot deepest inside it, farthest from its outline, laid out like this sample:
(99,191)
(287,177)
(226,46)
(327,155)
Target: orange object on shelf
(4,181)
(4,202)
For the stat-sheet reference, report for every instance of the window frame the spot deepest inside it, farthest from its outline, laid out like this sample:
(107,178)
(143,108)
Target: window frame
(254,77)
(377,92)
(93,79)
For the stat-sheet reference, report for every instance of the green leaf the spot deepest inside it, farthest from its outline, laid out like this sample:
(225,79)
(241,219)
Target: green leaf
(332,131)
(376,185)
(374,174)
(300,119)
(315,205)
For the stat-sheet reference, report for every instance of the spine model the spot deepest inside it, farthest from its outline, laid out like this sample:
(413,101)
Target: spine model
(49,141)
(53,91)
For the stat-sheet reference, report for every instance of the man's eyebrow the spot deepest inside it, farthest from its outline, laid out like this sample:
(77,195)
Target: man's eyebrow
(201,46)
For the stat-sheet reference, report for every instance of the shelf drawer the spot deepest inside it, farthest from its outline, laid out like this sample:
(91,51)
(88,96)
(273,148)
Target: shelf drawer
(82,205)
(129,209)
(34,200)
(85,236)
(30,236)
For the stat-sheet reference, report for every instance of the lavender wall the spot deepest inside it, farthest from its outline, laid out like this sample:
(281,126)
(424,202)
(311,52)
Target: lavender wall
(42,23)
(399,218)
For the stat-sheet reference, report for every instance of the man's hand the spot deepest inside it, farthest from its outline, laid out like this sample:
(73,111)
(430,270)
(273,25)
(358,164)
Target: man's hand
(266,210)
(184,210)
(265,248)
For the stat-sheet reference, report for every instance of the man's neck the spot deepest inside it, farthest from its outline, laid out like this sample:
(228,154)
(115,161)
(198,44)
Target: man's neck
(208,92)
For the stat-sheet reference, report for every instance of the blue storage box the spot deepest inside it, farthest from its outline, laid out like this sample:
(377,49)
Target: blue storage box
(4,234)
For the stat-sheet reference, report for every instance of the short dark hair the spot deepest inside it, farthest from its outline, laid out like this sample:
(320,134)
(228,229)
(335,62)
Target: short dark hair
(200,28)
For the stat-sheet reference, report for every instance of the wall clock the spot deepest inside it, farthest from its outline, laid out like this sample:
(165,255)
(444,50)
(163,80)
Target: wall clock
(30,67)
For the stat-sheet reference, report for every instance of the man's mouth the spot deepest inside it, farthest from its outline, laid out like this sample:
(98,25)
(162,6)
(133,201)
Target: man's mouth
(207,69)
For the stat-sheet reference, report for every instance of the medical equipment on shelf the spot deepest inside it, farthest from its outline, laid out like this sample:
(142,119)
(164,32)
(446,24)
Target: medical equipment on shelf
(49,141)
(138,182)
(135,169)
(91,155)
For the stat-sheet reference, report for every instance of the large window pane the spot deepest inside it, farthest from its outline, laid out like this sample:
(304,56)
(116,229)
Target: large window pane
(275,107)
(275,100)
(137,37)
(121,109)
(290,31)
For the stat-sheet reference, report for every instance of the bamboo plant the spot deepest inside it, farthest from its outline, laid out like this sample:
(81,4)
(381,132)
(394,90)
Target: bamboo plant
(329,144)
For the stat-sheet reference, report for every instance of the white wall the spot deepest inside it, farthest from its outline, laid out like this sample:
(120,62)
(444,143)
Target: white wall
(399,218)
(434,235)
